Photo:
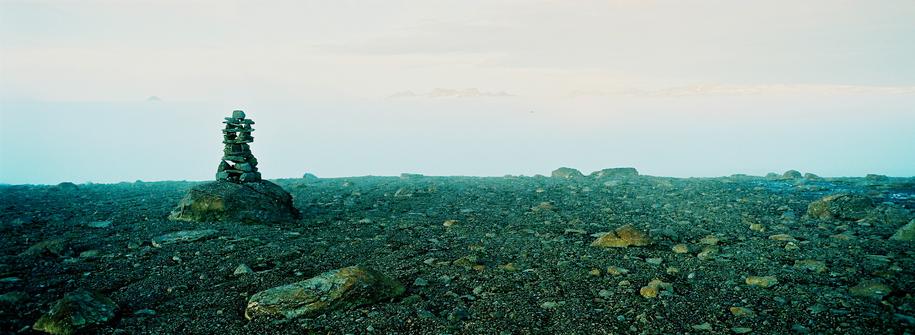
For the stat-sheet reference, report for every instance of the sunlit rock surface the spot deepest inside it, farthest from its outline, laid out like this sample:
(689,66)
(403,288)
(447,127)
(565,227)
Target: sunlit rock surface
(336,289)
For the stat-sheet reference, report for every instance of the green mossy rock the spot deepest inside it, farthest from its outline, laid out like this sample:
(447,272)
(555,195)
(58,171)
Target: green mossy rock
(622,172)
(841,206)
(76,311)
(252,202)
(336,289)
(566,173)
(905,233)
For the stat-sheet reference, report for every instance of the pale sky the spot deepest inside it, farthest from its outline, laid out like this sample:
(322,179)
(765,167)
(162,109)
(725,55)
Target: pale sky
(348,88)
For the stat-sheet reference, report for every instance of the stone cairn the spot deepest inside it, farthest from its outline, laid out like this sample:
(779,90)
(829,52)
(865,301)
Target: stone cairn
(238,164)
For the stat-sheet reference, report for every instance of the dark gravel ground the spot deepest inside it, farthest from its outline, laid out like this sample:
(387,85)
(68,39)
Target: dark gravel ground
(517,261)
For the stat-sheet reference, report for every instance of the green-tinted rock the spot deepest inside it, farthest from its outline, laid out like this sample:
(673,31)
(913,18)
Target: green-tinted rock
(870,289)
(183,236)
(13,298)
(905,233)
(251,202)
(615,173)
(336,289)
(841,207)
(566,173)
(792,174)
(77,310)
(55,247)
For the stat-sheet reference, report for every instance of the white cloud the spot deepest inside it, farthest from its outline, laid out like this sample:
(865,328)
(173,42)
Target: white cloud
(451,93)
(731,90)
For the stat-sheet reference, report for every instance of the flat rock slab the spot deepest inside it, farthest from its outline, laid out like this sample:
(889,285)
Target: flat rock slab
(336,289)
(183,236)
(76,311)
(248,202)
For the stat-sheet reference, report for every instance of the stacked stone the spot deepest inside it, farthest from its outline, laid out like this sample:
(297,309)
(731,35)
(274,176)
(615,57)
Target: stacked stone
(238,164)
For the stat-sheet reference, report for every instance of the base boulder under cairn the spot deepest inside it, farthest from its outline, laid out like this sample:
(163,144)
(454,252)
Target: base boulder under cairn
(251,202)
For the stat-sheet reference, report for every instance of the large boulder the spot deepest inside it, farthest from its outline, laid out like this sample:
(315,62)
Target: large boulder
(250,202)
(566,173)
(336,289)
(792,174)
(76,311)
(622,172)
(841,206)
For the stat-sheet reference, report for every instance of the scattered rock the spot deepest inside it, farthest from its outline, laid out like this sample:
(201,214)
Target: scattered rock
(468,262)
(509,267)
(183,237)
(870,289)
(680,248)
(250,202)
(840,206)
(99,224)
(654,261)
(655,287)
(242,269)
(616,271)
(574,231)
(810,265)
(622,237)
(419,281)
(709,240)
(783,238)
(762,281)
(549,305)
(336,289)
(702,326)
(742,311)
(76,311)
(708,252)
(905,233)
(605,294)
(13,298)
(566,173)
(89,254)
(53,247)
(145,312)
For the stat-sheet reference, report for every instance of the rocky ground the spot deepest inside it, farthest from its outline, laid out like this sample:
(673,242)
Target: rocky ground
(512,255)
